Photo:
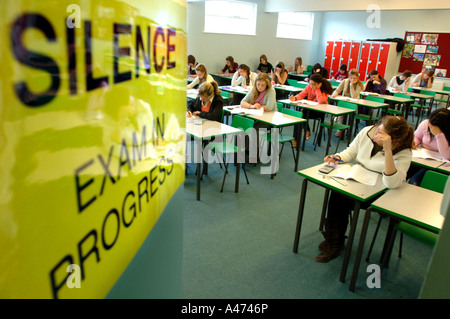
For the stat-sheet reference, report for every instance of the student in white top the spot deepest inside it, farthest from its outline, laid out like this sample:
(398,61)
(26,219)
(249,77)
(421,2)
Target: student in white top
(424,79)
(384,148)
(244,77)
(202,76)
(401,82)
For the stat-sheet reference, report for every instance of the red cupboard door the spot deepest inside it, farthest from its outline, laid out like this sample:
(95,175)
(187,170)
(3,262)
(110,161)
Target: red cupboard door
(354,55)
(345,53)
(336,57)
(363,60)
(328,56)
(383,58)
(373,57)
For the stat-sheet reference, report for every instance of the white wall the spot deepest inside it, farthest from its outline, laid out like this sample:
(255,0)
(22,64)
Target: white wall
(212,49)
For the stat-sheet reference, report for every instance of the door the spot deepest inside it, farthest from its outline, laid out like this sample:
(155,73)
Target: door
(363,60)
(383,58)
(373,57)
(354,55)
(345,53)
(336,57)
(328,56)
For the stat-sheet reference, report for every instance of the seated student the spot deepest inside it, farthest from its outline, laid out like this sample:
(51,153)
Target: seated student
(298,68)
(279,74)
(202,76)
(230,67)
(264,66)
(262,95)
(192,64)
(384,148)
(375,83)
(433,134)
(341,74)
(244,77)
(401,82)
(424,79)
(318,90)
(317,68)
(208,104)
(351,88)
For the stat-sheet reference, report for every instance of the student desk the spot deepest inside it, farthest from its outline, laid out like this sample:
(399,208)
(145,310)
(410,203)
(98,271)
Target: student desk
(222,79)
(287,89)
(422,98)
(277,120)
(361,103)
(235,90)
(274,119)
(359,193)
(402,204)
(333,110)
(442,92)
(298,77)
(206,131)
(434,165)
(393,100)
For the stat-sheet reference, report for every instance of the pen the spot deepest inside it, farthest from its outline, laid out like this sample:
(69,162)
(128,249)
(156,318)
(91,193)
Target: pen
(334,179)
(336,159)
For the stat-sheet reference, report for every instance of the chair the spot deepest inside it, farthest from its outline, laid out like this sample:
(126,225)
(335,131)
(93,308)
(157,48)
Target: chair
(433,181)
(225,148)
(443,100)
(336,83)
(283,138)
(336,125)
(226,97)
(403,108)
(308,70)
(366,117)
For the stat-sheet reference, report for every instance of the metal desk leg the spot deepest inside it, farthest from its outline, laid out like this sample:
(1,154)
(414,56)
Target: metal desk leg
(299,139)
(360,249)
(324,208)
(389,244)
(300,215)
(329,135)
(351,236)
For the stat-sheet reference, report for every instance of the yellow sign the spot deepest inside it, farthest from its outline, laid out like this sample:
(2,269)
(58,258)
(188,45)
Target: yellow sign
(91,138)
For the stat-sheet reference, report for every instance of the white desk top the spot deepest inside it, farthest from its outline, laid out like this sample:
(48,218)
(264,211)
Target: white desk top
(208,129)
(277,118)
(288,88)
(353,189)
(413,203)
(362,102)
(324,108)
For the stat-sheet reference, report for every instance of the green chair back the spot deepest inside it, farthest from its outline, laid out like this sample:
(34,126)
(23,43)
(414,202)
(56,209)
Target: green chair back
(292,82)
(241,122)
(446,88)
(410,90)
(347,105)
(279,106)
(225,94)
(434,181)
(375,99)
(335,83)
(309,68)
(426,92)
(292,112)
(402,95)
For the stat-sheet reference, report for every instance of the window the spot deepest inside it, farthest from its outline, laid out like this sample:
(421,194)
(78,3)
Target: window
(233,17)
(295,25)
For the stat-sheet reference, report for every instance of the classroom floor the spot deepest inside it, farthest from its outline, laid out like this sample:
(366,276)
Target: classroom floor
(239,245)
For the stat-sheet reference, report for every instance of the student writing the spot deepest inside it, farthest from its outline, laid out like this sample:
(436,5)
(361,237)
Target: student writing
(202,76)
(208,104)
(341,74)
(262,95)
(424,79)
(244,77)
(384,148)
(230,66)
(264,66)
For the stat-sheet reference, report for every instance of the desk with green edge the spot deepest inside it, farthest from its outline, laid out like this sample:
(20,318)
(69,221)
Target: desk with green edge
(442,92)
(392,100)
(222,79)
(235,90)
(298,77)
(402,204)
(372,105)
(287,89)
(206,131)
(277,120)
(333,110)
(359,193)
(422,98)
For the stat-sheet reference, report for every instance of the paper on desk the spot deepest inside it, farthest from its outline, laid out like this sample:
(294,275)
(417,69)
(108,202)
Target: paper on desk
(241,110)
(422,152)
(355,172)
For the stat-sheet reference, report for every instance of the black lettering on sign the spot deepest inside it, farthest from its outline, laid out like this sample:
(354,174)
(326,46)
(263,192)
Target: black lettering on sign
(91,82)
(34,60)
(120,52)
(82,255)
(82,205)
(66,261)
(140,46)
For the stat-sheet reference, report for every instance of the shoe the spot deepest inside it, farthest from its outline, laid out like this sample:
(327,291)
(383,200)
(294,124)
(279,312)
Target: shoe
(338,133)
(294,144)
(308,135)
(328,254)
(334,241)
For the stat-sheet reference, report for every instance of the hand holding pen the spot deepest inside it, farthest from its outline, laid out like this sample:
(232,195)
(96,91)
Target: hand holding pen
(333,159)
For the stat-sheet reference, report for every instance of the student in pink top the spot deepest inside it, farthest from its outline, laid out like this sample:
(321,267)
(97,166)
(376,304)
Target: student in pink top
(318,90)
(433,134)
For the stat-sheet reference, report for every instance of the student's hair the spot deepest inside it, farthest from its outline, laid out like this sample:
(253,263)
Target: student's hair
(246,68)
(407,73)
(280,65)
(402,134)
(191,59)
(326,86)
(375,72)
(300,62)
(263,56)
(261,77)
(315,67)
(231,59)
(441,119)
(201,68)
(208,89)
(430,74)
(343,67)
(355,72)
